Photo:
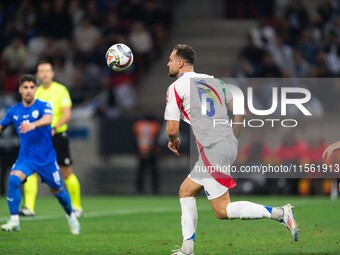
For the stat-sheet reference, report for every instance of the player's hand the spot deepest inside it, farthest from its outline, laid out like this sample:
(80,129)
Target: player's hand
(53,131)
(330,149)
(174,146)
(26,127)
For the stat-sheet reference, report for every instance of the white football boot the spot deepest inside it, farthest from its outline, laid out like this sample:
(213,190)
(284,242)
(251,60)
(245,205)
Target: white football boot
(73,223)
(289,222)
(79,213)
(11,225)
(186,249)
(179,252)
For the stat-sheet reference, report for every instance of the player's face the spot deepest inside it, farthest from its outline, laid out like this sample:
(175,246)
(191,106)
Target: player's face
(27,91)
(45,73)
(173,64)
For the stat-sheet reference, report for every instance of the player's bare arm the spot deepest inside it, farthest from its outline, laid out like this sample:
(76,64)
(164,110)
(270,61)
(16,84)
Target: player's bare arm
(330,149)
(44,121)
(172,131)
(65,118)
(237,128)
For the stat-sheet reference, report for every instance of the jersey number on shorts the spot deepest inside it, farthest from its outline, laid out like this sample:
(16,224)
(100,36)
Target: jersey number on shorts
(56,177)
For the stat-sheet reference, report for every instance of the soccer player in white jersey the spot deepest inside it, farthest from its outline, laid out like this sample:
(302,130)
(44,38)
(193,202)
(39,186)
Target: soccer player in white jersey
(327,154)
(212,149)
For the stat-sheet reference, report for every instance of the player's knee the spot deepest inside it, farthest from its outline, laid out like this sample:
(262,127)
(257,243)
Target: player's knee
(184,192)
(14,181)
(55,191)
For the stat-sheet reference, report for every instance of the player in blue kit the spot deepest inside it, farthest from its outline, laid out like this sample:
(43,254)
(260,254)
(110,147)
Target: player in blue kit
(32,119)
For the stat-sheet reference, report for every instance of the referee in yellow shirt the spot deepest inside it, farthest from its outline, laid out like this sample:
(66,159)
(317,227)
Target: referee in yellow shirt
(59,98)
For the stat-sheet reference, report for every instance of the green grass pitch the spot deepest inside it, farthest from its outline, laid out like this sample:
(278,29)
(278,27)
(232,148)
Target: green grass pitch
(151,225)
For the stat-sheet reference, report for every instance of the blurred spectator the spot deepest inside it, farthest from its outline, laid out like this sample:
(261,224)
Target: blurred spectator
(123,91)
(243,69)
(268,69)
(282,55)
(142,45)
(146,131)
(251,52)
(44,19)
(61,27)
(93,13)
(86,36)
(76,12)
(307,46)
(64,70)
(35,48)
(113,29)
(320,69)
(9,144)
(14,54)
(301,68)
(25,18)
(296,18)
(324,14)
(332,50)
(132,10)
(262,35)
(85,84)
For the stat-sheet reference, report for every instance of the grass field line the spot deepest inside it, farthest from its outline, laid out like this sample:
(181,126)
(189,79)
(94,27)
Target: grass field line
(96,214)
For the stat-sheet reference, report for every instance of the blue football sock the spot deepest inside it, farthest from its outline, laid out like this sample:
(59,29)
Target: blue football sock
(13,194)
(65,201)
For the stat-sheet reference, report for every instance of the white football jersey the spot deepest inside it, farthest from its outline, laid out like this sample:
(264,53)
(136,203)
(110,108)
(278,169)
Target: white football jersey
(178,97)
(184,101)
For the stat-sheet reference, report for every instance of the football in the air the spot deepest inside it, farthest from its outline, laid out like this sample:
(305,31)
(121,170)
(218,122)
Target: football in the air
(119,57)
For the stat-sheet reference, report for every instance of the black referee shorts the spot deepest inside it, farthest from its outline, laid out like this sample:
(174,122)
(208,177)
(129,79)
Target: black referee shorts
(61,145)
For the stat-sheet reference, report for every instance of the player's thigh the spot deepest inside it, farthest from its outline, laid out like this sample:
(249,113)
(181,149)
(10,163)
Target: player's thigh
(22,169)
(62,148)
(189,188)
(50,174)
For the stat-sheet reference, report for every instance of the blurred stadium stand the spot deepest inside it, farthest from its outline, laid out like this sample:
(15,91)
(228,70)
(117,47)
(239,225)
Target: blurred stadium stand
(232,38)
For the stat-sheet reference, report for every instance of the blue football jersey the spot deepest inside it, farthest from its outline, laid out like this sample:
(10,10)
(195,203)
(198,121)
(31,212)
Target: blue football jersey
(36,145)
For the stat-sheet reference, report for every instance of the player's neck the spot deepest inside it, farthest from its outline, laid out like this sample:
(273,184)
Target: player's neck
(28,104)
(185,69)
(47,84)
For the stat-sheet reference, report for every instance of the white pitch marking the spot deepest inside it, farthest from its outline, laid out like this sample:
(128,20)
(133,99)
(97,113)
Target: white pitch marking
(103,214)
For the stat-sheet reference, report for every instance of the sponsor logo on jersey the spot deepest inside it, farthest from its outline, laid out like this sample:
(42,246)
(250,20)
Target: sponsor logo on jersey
(35,114)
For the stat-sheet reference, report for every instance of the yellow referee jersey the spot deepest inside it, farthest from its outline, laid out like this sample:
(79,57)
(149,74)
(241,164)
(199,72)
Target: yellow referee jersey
(58,97)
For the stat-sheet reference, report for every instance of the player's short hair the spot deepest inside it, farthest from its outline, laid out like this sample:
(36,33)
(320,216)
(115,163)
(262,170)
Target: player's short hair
(28,77)
(45,61)
(186,53)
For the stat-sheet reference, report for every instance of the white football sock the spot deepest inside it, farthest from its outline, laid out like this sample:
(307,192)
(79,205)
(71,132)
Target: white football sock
(189,217)
(277,213)
(247,211)
(189,223)
(15,218)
